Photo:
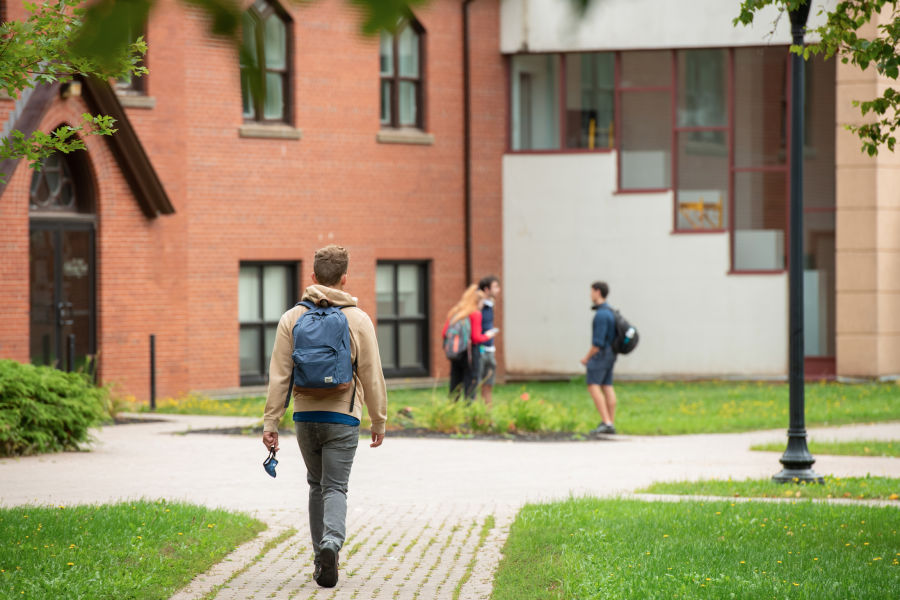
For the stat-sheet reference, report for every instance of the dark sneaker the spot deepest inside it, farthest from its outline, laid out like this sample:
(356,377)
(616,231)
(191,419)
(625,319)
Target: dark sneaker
(328,565)
(611,429)
(604,428)
(317,570)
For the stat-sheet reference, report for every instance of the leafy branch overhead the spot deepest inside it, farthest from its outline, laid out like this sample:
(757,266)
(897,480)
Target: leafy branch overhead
(39,50)
(849,34)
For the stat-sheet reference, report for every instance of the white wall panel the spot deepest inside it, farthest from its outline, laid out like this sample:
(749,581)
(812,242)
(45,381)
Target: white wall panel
(565,228)
(551,25)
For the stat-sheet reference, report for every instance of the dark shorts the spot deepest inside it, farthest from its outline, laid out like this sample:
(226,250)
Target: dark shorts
(600,367)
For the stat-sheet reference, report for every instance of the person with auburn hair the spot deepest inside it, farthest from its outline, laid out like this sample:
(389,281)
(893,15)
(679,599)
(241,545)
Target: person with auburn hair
(326,420)
(462,336)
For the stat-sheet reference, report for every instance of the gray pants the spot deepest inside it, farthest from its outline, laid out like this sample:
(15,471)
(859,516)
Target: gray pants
(328,450)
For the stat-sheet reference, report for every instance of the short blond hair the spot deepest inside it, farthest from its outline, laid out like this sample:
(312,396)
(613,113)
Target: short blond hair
(330,264)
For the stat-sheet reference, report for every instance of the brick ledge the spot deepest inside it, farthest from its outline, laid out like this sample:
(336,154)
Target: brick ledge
(278,132)
(405,136)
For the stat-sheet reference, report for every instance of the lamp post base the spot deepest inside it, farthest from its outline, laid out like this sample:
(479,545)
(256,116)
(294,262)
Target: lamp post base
(797,475)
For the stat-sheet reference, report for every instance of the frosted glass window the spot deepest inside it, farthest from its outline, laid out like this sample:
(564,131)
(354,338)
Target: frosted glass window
(386,346)
(400,66)
(402,318)
(590,100)
(384,289)
(248,295)
(408,290)
(275,292)
(646,155)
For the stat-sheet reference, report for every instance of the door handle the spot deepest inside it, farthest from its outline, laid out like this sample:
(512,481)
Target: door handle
(61,314)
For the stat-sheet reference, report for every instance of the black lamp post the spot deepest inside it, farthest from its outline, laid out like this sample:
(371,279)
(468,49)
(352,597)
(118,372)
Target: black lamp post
(797,461)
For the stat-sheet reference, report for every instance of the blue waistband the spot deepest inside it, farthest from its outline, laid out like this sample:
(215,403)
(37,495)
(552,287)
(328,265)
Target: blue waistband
(324,416)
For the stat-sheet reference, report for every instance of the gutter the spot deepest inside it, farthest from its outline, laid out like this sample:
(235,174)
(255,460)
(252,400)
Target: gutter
(467,144)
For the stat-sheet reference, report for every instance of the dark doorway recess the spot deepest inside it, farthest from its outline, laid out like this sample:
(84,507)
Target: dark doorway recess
(62,275)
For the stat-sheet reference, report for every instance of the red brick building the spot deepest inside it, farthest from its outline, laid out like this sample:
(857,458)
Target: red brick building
(198,220)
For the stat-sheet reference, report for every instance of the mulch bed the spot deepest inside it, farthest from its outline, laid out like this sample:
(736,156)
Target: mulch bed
(134,421)
(548,436)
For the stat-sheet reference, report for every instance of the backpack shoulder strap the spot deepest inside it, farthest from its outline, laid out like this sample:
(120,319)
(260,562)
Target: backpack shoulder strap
(355,362)
(287,400)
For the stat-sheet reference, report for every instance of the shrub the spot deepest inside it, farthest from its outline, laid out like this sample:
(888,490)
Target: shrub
(441,415)
(479,418)
(45,410)
(524,414)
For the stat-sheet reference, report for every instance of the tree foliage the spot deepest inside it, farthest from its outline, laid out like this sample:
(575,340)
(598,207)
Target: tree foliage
(39,49)
(842,36)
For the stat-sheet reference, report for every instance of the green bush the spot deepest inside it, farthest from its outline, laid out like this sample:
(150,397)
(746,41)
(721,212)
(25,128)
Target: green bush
(45,410)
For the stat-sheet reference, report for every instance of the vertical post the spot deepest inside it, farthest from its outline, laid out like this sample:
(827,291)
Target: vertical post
(71,357)
(152,372)
(467,146)
(797,461)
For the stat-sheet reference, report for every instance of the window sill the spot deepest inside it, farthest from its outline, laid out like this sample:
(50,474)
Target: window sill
(271,132)
(129,101)
(695,231)
(776,272)
(405,136)
(646,191)
(566,151)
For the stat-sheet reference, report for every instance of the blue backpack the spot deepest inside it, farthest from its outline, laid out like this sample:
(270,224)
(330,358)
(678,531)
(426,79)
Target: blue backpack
(322,363)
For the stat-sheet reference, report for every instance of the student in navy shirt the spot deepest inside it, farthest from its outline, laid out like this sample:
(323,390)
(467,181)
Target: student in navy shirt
(490,287)
(600,359)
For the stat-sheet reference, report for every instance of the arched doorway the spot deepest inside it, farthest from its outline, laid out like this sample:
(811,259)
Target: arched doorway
(62,263)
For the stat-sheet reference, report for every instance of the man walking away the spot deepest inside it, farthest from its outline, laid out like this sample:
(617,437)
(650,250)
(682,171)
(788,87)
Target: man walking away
(600,359)
(326,419)
(490,287)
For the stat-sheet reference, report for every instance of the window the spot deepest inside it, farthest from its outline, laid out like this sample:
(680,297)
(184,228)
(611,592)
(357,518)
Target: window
(590,100)
(265,293)
(402,296)
(52,188)
(131,85)
(701,154)
(266,44)
(535,102)
(401,76)
(645,97)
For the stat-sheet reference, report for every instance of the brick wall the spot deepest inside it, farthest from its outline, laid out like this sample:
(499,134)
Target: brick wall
(242,199)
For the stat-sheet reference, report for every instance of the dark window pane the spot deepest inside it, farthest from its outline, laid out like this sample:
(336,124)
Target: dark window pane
(387,53)
(268,346)
(384,290)
(702,88)
(409,345)
(42,259)
(535,102)
(646,159)
(819,283)
(760,216)
(590,100)
(819,131)
(250,351)
(760,105)
(646,69)
(385,334)
(702,180)
(386,101)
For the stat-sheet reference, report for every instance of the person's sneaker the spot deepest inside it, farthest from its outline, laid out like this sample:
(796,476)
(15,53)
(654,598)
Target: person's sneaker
(328,565)
(317,570)
(611,429)
(604,428)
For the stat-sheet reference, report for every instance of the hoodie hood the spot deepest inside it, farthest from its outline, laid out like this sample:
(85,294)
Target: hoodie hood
(319,293)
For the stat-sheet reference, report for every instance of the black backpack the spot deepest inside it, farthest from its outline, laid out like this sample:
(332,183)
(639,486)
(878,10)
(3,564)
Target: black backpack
(626,334)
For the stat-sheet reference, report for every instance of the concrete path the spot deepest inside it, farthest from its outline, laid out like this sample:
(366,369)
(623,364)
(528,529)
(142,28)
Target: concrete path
(417,508)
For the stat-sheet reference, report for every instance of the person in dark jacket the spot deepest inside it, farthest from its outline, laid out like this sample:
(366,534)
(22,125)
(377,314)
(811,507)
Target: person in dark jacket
(490,287)
(600,359)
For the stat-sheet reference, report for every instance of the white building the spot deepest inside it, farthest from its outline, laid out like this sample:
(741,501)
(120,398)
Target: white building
(648,148)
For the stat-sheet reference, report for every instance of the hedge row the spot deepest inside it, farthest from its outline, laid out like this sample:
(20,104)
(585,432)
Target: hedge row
(45,410)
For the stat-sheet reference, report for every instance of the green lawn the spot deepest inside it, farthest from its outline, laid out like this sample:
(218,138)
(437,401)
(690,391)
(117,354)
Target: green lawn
(628,549)
(137,550)
(859,488)
(853,448)
(657,408)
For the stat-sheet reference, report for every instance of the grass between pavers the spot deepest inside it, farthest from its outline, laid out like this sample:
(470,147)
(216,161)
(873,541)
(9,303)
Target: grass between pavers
(842,448)
(654,408)
(589,548)
(139,550)
(857,488)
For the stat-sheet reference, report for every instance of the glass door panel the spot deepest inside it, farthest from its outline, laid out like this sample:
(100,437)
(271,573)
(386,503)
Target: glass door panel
(76,310)
(42,255)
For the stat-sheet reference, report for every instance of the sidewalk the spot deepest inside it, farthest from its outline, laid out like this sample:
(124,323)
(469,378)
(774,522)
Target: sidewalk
(416,507)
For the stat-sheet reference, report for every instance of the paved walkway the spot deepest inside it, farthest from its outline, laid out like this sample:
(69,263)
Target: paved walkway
(417,508)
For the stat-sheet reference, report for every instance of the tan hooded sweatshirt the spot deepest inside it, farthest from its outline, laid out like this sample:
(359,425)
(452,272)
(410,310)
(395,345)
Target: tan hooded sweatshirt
(369,379)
